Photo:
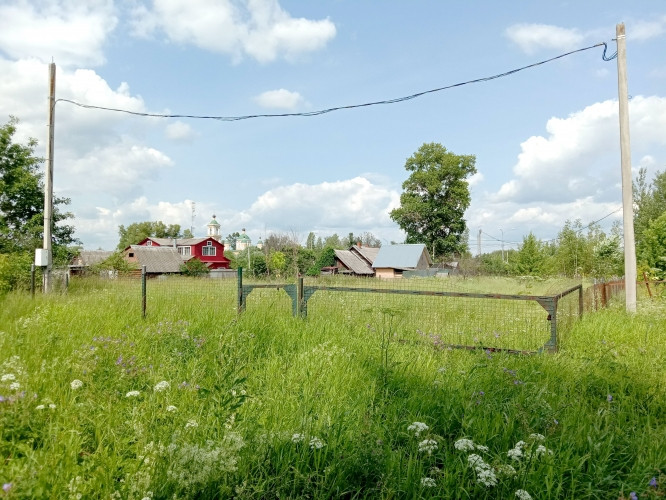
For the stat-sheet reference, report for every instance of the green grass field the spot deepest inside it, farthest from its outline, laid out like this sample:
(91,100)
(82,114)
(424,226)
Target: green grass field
(353,402)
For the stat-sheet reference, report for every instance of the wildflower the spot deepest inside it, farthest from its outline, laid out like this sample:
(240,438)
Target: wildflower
(464,445)
(515,454)
(14,386)
(316,443)
(52,406)
(609,398)
(191,423)
(480,447)
(132,394)
(39,407)
(506,470)
(653,482)
(171,408)
(487,477)
(6,487)
(523,495)
(542,450)
(297,438)
(428,482)
(428,445)
(633,496)
(7,377)
(476,461)
(76,384)
(537,437)
(161,386)
(418,428)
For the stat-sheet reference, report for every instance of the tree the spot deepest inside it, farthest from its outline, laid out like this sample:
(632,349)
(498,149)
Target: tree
(530,259)
(231,240)
(310,242)
(434,199)
(326,258)
(138,231)
(653,249)
(649,201)
(194,267)
(22,200)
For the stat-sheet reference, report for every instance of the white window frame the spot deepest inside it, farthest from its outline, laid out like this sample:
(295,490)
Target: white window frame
(185,250)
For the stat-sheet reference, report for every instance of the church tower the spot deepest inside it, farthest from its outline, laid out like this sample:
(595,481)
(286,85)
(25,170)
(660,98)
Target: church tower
(214,229)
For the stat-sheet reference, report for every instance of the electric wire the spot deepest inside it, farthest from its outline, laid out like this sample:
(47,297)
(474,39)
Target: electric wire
(338,108)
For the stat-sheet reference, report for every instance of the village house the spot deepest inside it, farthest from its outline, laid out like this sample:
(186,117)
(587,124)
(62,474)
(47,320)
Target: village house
(393,260)
(356,261)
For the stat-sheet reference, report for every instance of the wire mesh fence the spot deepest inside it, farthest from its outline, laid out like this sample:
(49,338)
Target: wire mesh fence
(514,314)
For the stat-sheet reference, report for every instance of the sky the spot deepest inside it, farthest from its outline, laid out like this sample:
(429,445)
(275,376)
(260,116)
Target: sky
(546,139)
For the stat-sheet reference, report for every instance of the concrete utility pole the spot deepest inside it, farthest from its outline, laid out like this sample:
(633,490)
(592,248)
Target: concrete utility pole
(48,184)
(630,274)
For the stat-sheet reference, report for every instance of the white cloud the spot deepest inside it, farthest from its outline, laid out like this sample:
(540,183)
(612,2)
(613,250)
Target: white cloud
(281,98)
(69,31)
(533,37)
(179,131)
(257,28)
(475,179)
(644,30)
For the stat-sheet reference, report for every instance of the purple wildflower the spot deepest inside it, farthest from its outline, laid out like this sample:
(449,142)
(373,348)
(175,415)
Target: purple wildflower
(653,482)
(6,487)
(633,496)
(609,398)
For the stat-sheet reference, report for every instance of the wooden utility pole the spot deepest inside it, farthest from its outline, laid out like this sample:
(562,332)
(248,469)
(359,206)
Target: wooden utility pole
(48,185)
(630,274)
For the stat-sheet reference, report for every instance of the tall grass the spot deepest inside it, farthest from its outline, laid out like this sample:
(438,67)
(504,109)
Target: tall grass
(197,402)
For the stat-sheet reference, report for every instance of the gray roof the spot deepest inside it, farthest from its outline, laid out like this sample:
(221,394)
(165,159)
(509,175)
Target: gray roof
(405,256)
(87,258)
(368,253)
(158,259)
(169,242)
(353,262)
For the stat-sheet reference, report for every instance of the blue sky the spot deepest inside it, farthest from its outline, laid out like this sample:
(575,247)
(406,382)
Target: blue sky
(546,139)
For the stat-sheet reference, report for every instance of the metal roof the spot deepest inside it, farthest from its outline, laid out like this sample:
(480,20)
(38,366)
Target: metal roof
(368,253)
(405,256)
(158,259)
(90,257)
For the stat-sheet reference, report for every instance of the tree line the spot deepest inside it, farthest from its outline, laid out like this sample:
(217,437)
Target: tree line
(432,205)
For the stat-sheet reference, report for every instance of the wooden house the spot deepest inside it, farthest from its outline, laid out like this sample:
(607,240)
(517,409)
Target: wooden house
(393,260)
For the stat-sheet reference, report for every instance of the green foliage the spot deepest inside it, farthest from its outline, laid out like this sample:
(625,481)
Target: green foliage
(326,259)
(22,199)
(277,263)
(653,249)
(650,202)
(15,271)
(115,262)
(434,199)
(231,240)
(530,259)
(138,231)
(194,267)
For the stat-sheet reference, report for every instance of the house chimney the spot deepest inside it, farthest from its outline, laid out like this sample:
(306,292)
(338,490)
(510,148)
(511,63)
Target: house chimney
(359,244)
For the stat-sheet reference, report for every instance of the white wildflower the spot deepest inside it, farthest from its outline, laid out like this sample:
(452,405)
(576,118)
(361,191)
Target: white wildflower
(39,407)
(161,386)
(171,408)
(7,377)
(515,454)
(428,482)
(14,386)
(418,428)
(476,461)
(486,477)
(76,384)
(428,445)
(191,423)
(542,450)
(464,445)
(480,447)
(52,406)
(132,394)
(537,437)
(506,470)
(523,495)
(297,438)
(316,443)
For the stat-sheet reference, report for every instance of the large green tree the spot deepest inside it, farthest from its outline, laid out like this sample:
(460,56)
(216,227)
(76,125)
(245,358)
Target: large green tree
(530,259)
(653,251)
(649,201)
(434,199)
(22,200)
(138,231)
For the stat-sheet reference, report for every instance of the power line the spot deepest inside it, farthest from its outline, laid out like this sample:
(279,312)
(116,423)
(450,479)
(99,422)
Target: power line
(338,108)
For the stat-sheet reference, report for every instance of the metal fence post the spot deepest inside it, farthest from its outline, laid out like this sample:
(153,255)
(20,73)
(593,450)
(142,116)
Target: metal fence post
(143,291)
(241,299)
(302,308)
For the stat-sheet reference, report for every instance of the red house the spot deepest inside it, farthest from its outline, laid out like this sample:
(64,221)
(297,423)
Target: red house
(208,250)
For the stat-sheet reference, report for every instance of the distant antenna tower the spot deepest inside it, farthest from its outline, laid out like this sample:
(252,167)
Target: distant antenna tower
(193,216)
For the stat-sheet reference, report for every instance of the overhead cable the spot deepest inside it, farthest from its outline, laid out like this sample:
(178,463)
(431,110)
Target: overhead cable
(337,108)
